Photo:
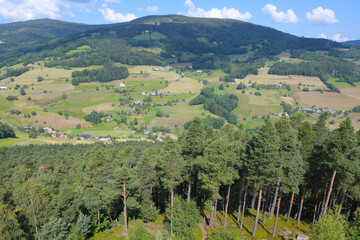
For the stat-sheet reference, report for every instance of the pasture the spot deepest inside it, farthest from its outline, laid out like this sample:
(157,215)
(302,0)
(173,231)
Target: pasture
(336,101)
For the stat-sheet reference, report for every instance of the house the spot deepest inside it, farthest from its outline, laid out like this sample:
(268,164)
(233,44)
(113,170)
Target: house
(122,84)
(159,139)
(327,110)
(163,68)
(199,71)
(153,92)
(146,132)
(278,85)
(86,136)
(108,119)
(307,109)
(3,87)
(143,93)
(137,102)
(283,114)
(105,140)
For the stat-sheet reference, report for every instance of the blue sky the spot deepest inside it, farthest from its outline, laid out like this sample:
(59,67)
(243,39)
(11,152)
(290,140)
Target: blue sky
(333,19)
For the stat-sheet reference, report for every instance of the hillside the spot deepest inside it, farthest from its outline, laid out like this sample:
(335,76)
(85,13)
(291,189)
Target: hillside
(34,31)
(352,42)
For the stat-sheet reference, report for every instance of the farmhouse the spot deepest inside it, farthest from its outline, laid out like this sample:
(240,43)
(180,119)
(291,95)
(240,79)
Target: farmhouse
(137,102)
(162,68)
(143,93)
(3,87)
(278,85)
(123,84)
(86,136)
(104,139)
(307,109)
(199,71)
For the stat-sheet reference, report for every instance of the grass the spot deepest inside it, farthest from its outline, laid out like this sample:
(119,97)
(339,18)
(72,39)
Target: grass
(150,36)
(337,83)
(264,230)
(84,48)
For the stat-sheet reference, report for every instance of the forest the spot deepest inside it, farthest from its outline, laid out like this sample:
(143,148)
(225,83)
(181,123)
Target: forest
(220,105)
(288,166)
(106,74)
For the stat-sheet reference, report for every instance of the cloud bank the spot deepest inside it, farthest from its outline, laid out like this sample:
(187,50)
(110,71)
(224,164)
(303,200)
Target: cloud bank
(280,17)
(112,16)
(225,12)
(320,15)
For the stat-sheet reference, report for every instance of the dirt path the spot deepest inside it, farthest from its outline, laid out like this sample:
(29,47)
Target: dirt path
(203,230)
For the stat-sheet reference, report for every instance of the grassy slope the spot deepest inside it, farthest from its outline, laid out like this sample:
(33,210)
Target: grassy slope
(264,230)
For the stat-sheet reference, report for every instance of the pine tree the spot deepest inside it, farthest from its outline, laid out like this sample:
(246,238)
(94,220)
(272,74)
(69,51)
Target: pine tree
(172,167)
(55,229)
(262,161)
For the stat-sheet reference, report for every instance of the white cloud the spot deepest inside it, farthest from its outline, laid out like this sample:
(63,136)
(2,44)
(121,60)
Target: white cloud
(29,9)
(320,15)
(337,37)
(322,36)
(280,17)
(215,12)
(112,16)
(152,9)
(112,1)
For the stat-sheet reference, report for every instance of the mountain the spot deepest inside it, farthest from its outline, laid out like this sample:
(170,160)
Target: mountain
(34,31)
(352,42)
(207,42)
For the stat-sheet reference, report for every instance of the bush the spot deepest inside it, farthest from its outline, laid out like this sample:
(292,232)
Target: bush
(11,98)
(330,227)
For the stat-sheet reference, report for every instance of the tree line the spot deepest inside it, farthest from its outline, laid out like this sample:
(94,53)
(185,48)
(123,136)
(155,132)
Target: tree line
(288,166)
(105,74)
(220,105)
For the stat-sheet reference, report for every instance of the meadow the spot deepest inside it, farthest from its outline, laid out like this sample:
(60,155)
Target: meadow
(59,104)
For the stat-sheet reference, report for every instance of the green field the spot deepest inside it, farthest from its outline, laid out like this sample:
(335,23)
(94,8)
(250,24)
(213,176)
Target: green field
(81,100)
(337,83)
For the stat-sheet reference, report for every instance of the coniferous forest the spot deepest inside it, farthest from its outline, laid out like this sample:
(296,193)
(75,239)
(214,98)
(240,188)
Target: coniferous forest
(288,166)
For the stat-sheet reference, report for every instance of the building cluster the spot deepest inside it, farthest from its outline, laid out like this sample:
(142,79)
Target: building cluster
(314,110)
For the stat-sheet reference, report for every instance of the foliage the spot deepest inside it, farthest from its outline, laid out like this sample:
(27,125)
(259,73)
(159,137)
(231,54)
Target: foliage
(106,74)
(186,218)
(14,72)
(6,131)
(220,105)
(55,228)
(9,226)
(330,227)
(94,117)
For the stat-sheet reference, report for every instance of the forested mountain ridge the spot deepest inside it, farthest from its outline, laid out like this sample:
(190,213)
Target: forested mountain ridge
(35,31)
(176,35)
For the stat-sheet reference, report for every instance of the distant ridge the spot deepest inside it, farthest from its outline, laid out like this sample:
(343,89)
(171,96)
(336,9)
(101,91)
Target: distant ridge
(352,42)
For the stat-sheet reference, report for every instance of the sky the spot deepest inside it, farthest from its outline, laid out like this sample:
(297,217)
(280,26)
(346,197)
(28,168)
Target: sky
(331,19)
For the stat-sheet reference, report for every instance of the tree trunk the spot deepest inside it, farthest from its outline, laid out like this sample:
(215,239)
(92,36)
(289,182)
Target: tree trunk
(253,202)
(212,214)
(329,193)
(301,207)
(216,203)
(190,176)
(291,203)
(257,213)
(314,217)
(275,199)
(125,213)
(240,198)
(342,201)
(227,203)
(35,219)
(266,204)
(277,216)
(172,208)
(244,205)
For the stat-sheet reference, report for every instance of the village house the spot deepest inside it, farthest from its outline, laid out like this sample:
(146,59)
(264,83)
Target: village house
(3,87)
(122,84)
(278,85)
(137,102)
(105,140)
(143,93)
(146,132)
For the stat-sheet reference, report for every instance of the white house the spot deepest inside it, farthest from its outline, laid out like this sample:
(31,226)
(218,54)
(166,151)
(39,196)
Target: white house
(123,84)
(3,87)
